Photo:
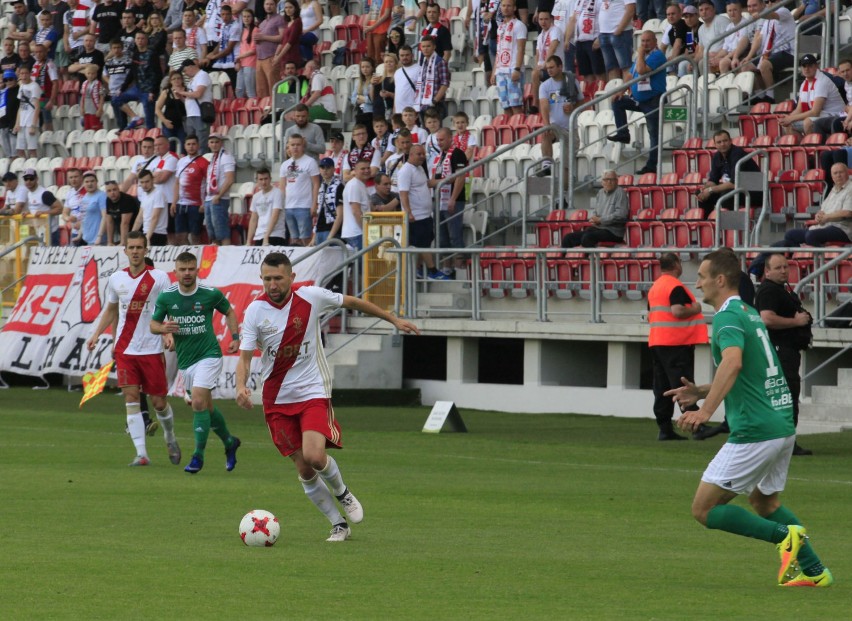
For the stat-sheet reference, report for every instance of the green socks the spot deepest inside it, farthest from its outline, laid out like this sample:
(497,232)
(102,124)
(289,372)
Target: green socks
(220,428)
(201,428)
(734,519)
(807,557)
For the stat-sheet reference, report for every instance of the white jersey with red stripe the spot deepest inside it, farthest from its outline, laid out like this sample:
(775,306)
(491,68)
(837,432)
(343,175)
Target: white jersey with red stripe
(293,364)
(135,297)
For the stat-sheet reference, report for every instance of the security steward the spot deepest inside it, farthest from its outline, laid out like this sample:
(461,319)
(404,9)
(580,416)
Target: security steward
(677,326)
(788,325)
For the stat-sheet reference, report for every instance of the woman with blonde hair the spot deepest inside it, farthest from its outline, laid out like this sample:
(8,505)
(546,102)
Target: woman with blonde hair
(362,96)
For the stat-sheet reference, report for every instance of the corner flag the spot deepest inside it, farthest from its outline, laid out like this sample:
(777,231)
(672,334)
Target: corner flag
(93,383)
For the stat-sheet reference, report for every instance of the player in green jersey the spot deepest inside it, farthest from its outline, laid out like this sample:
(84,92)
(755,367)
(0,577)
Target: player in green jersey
(189,305)
(759,411)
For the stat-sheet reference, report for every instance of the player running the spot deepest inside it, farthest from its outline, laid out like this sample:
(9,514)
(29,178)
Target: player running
(189,306)
(760,414)
(138,354)
(284,325)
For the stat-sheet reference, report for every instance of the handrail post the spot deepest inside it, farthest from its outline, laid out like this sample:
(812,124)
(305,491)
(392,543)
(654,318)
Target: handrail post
(275,139)
(661,115)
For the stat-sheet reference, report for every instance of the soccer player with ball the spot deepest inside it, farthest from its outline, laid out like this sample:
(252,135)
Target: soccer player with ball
(759,410)
(284,324)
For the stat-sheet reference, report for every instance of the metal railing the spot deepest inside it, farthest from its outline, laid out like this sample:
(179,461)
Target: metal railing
(661,115)
(737,192)
(279,124)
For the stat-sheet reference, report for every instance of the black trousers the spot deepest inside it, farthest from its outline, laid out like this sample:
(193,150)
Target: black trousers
(589,238)
(790,359)
(670,364)
(710,204)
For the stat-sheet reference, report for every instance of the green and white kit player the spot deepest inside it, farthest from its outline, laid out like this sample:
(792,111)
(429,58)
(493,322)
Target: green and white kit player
(759,410)
(189,307)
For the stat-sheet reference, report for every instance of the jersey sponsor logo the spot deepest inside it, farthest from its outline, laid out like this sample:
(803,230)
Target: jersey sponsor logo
(190,319)
(39,303)
(782,401)
(197,307)
(175,307)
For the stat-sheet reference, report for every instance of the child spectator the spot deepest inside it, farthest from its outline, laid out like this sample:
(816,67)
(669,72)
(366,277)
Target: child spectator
(409,118)
(432,121)
(382,140)
(463,139)
(26,127)
(92,99)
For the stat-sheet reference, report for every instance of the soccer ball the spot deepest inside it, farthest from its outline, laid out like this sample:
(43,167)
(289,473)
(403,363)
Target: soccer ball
(259,528)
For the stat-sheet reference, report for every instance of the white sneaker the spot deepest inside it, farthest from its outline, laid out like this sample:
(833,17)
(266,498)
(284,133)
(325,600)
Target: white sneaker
(350,504)
(339,533)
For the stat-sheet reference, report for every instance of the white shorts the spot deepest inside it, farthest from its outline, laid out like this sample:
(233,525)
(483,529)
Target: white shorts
(26,141)
(203,374)
(742,467)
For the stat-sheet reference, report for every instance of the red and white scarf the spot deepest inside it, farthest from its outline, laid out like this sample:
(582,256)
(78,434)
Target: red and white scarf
(807,94)
(426,82)
(505,45)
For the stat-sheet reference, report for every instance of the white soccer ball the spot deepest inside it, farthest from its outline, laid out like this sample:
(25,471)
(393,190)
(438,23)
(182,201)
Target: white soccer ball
(259,528)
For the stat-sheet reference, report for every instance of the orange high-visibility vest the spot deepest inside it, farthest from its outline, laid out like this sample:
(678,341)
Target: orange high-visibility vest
(666,329)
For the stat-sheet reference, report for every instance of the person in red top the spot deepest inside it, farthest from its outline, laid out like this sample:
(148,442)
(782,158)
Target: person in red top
(188,200)
(677,326)
(376,30)
(288,51)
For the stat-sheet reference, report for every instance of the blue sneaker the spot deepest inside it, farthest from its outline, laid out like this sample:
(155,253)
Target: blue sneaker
(436,275)
(195,465)
(135,122)
(231,454)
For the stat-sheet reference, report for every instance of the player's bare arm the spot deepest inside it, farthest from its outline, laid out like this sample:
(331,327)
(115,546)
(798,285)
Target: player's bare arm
(726,375)
(164,327)
(243,369)
(109,317)
(362,306)
(234,328)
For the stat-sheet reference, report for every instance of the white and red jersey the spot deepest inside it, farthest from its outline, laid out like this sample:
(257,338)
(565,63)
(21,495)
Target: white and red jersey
(135,297)
(509,35)
(293,364)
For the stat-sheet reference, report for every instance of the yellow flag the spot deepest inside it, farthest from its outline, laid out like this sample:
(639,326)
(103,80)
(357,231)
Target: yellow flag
(93,383)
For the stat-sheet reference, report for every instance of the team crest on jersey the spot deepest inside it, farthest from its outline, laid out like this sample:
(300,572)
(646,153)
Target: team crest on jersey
(197,307)
(297,324)
(143,287)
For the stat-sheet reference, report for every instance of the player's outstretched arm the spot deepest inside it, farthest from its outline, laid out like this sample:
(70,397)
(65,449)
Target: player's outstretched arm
(243,370)
(726,376)
(109,317)
(363,306)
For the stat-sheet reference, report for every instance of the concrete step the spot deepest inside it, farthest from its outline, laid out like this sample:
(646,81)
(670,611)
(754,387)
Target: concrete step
(825,413)
(348,354)
(833,395)
(811,427)
(369,361)
(844,377)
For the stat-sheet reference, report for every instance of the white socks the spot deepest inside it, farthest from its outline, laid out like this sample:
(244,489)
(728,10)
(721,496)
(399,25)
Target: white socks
(167,421)
(319,494)
(331,475)
(136,427)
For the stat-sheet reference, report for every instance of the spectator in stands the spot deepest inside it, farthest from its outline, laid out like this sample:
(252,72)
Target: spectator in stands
(842,123)
(87,54)
(310,11)
(157,37)
(451,203)
(153,215)
(384,88)
(93,207)
(772,46)
(217,205)
(557,98)
(10,60)
(76,22)
(25,54)
(584,30)
(197,97)
(23,23)
(223,56)
(508,72)
(92,97)
(356,202)
(128,31)
(811,9)
(439,33)
(382,140)
(106,23)
(163,166)
(690,49)
(361,150)
(378,23)
(548,43)
(26,126)
(394,163)
(14,193)
(478,33)
(288,50)
(362,95)
(711,34)
(268,36)
(46,35)
(432,123)
(396,39)
(462,138)
(72,212)
(644,97)
(174,16)
(736,43)
(818,98)
(650,9)
(673,40)
(121,75)
(142,10)
(405,80)
(47,77)
(9,105)
(188,200)
(610,219)
(433,80)
(181,52)
(330,207)
(311,132)
(299,179)
(39,202)
(723,176)
(170,108)
(267,225)
(337,153)
(615,21)
(384,199)
(149,75)
(122,211)
(833,220)
(418,134)
(320,99)
(196,37)
(247,58)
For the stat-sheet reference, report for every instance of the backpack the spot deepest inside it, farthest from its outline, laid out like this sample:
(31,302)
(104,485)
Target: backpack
(339,57)
(840,83)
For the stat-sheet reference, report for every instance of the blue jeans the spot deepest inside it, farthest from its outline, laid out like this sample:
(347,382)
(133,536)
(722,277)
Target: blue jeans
(306,45)
(299,223)
(650,107)
(217,220)
(320,237)
(246,82)
(134,94)
(451,232)
(617,50)
(356,242)
(655,9)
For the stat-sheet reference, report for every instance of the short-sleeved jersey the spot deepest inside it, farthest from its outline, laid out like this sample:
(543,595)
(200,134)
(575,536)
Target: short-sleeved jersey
(293,365)
(759,406)
(135,296)
(196,339)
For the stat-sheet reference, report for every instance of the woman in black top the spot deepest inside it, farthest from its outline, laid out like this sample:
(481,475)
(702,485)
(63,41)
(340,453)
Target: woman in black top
(383,89)
(396,39)
(170,110)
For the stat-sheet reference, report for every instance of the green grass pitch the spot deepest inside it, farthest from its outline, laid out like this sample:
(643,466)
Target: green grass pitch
(524,517)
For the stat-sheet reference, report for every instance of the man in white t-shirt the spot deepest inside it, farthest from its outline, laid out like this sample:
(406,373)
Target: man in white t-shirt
(153,218)
(393,165)
(217,204)
(818,97)
(40,202)
(198,92)
(145,158)
(733,46)
(266,226)
(615,22)
(299,179)
(508,64)
(582,28)
(26,126)
(72,212)
(283,324)
(547,44)
(772,47)
(710,33)
(15,193)
(356,202)
(405,81)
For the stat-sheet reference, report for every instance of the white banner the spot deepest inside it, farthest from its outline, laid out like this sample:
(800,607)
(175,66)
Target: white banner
(64,293)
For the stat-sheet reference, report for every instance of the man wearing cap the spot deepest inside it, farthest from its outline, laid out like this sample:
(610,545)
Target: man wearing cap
(330,207)
(338,153)
(8,113)
(38,202)
(710,33)
(217,205)
(15,193)
(198,92)
(818,97)
(311,132)
(23,22)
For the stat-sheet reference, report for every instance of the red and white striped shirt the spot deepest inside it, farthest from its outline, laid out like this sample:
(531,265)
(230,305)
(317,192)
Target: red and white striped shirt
(135,297)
